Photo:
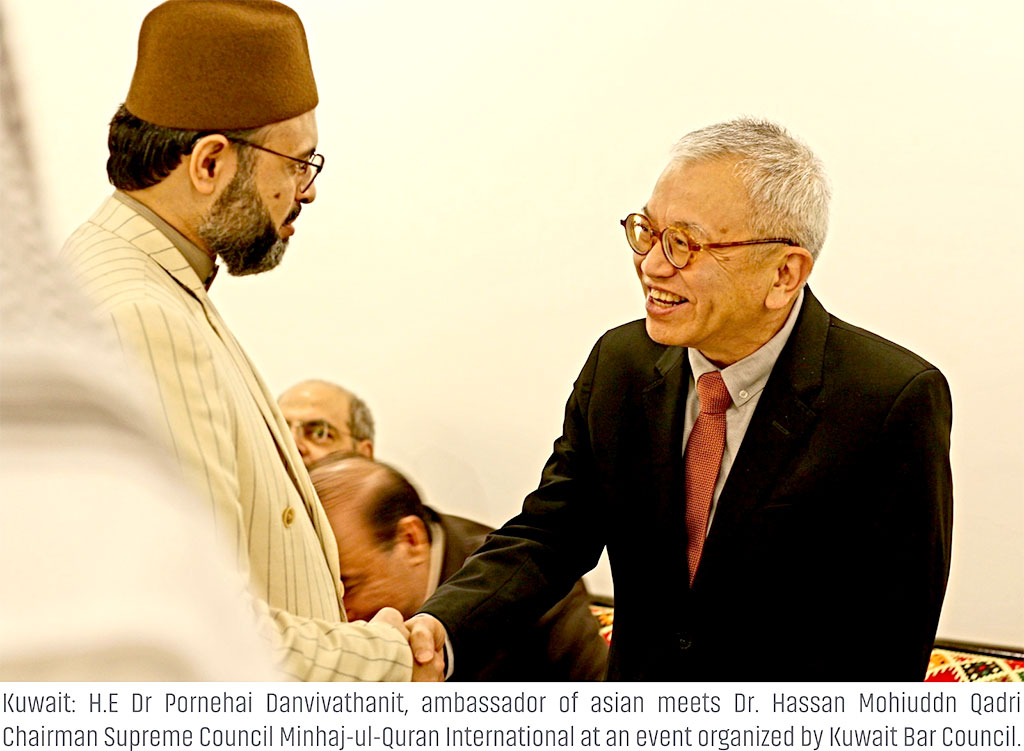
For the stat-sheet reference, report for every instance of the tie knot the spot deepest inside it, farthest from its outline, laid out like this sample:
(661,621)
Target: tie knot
(714,396)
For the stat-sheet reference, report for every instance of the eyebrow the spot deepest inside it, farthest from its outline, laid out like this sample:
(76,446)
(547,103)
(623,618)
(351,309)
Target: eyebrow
(689,226)
(319,421)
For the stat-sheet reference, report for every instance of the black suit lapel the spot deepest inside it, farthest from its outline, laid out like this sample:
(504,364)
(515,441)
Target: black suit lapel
(665,406)
(782,417)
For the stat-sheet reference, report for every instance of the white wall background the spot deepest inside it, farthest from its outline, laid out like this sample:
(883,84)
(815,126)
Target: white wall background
(464,251)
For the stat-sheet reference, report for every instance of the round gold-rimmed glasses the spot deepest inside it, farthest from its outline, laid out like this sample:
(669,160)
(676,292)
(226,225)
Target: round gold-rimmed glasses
(676,243)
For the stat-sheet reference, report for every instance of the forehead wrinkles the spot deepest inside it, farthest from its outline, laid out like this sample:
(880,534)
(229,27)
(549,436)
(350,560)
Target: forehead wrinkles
(324,402)
(704,197)
(692,228)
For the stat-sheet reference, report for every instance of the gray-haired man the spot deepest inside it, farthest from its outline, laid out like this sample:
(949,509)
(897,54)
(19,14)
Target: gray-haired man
(772,484)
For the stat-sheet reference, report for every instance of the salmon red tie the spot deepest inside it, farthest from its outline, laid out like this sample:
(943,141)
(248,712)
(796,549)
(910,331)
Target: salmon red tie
(703,460)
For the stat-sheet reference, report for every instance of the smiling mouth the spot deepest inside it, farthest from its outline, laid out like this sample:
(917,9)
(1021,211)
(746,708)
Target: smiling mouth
(665,299)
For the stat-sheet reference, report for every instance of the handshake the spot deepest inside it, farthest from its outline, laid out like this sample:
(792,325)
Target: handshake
(426,638)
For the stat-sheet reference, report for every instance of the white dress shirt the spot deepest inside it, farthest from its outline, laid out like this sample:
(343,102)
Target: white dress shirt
(745,380)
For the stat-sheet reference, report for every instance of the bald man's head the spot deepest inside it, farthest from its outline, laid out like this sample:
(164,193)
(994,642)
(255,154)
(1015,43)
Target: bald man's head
(382,533)
(325,418)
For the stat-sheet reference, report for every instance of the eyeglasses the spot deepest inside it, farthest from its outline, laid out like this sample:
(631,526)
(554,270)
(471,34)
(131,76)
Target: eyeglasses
(676,243)
(316,161)
(319,432)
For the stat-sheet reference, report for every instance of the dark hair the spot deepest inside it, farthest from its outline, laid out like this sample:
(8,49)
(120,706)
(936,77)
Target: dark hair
(394,499)
(143,154)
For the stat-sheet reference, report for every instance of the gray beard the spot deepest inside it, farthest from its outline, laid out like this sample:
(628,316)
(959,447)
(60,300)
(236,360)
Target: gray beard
(239,229)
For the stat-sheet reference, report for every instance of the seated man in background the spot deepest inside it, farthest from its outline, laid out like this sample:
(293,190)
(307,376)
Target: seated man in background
(394,551)
(326,418)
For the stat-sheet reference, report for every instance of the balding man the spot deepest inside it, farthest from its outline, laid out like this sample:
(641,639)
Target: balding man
(213,155)
(324,418)
(393,550)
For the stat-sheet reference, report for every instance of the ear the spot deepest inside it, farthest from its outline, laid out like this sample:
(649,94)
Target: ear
(411,538)
(791,272)
(210,162)
(364,447)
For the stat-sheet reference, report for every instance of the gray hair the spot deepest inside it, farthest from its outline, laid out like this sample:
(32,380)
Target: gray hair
(786,182)
(360,420)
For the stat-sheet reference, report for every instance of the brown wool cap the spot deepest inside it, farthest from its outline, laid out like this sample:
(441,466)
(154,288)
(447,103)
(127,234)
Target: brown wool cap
(221,65)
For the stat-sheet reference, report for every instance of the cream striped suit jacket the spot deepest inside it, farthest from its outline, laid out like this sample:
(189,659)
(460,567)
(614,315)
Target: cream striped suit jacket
(234,446)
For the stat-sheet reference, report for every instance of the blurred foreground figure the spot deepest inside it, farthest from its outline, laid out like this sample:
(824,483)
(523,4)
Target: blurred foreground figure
(772,484)
(111,571)
(213,155)
(394,551)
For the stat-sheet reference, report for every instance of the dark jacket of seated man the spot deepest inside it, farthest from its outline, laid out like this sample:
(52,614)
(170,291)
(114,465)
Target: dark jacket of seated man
(394,551)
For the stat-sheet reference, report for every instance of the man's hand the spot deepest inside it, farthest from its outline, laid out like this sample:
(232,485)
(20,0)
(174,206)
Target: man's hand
(393,618)
(426,637)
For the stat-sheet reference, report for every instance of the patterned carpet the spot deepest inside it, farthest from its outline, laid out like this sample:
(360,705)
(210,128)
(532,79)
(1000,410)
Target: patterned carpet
(945,665)
(605,615)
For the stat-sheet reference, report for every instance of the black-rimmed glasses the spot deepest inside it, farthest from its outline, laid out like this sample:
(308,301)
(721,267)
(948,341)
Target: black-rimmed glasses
(316,161)
(676,243)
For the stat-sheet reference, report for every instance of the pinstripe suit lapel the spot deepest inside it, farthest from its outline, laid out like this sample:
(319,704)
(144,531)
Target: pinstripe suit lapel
(125,222)
(278,429)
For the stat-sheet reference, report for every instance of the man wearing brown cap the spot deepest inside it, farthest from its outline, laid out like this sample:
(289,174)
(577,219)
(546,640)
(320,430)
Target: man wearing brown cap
(213,156)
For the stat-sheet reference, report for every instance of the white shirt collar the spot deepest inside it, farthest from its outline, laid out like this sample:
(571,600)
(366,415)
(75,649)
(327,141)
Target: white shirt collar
(748,376)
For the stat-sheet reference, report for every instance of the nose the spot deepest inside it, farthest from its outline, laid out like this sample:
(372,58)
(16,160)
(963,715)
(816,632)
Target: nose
(655,264)
(308,195)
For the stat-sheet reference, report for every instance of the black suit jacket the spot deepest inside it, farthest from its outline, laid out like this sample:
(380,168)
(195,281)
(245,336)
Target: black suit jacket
(565,644)
(828,554)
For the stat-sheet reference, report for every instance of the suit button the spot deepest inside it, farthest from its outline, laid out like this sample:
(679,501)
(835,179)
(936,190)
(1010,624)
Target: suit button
(288,516)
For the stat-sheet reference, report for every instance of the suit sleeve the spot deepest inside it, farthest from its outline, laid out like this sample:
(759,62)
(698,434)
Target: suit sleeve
(915,523)
(191,398)
(531,562)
